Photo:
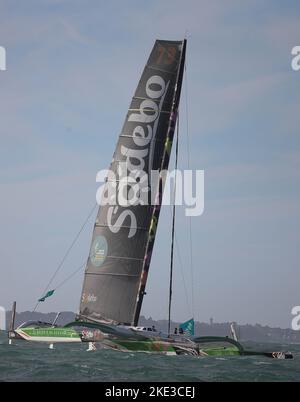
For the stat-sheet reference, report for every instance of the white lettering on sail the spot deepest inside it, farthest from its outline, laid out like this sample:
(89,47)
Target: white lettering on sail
(144,137)
(142,117)
(151,155)
(120,220)
(132,155)
(140,138)
(155,80)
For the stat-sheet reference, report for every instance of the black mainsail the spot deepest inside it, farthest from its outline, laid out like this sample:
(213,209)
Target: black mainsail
(124,234)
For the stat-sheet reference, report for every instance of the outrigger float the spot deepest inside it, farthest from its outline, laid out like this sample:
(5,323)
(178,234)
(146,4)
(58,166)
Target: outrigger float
(123,238)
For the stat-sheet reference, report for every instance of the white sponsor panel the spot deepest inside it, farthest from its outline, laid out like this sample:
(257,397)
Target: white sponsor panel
(2,319)
(2,58)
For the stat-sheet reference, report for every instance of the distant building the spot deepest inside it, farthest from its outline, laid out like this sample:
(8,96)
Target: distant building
(2,319)
(211,321)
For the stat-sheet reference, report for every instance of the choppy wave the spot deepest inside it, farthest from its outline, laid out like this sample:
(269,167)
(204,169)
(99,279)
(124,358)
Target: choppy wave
(24,361)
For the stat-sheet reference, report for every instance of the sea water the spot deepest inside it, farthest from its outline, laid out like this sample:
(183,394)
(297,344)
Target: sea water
(25,361)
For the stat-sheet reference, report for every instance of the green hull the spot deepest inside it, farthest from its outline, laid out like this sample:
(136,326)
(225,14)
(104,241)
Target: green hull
(163,347)
(205,346)
(140,346)
(230,351)
(48,335)
(69,335)
(201,346)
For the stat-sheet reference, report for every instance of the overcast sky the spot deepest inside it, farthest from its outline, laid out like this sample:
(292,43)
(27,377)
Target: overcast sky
(72,67)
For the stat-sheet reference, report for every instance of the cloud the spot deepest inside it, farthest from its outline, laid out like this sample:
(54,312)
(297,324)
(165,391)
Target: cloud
(73,33)
(221,107)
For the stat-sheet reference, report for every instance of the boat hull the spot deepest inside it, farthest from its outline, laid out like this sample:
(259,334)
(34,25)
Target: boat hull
(46,335)
(200,347)
(157,346)
(169,348)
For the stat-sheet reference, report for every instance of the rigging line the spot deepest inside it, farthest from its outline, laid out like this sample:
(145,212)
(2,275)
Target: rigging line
(173,232)
(67,253)
(70,276)
(178,253)
(73,274)
(177,250)
(182,274)
(188,158)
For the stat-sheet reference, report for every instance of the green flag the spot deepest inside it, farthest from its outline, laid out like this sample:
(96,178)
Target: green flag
(188,327)
(48,294)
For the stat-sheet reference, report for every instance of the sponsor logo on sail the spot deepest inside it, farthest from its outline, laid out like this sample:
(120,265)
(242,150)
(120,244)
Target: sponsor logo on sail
(98,251)
(90,298)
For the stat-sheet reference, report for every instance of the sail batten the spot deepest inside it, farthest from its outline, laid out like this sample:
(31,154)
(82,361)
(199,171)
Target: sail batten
(120,245)
(161,70)
(123,226)
(108,274)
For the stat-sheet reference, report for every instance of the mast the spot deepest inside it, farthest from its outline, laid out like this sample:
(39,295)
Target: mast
(164,165)
(173,234)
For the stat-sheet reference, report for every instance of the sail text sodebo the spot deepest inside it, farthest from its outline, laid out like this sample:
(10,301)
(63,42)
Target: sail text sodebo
(132,181)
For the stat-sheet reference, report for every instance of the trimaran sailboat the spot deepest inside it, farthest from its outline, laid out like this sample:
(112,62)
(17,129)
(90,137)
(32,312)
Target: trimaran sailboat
(123,237)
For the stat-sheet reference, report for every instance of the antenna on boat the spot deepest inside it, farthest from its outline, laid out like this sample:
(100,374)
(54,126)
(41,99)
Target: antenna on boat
(12,323)
(233,332)
(55,319)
